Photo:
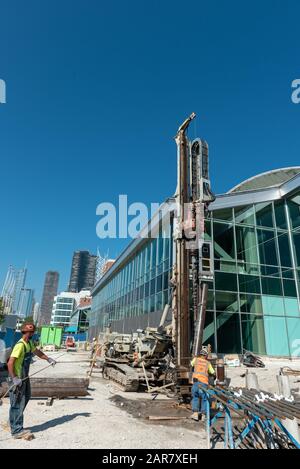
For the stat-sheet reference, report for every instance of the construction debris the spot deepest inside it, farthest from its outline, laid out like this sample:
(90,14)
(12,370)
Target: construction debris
(232,362)
(251,360)
(289,371)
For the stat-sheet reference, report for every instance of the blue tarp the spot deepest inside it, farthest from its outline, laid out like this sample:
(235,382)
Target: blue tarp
(11,337)
(71,329)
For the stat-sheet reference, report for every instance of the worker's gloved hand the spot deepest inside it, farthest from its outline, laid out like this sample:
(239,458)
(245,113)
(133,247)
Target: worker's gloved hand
(51,361)
(17,381)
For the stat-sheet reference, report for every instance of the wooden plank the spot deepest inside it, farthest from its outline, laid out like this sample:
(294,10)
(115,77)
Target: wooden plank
(158,388)
(55,387)
(165,417)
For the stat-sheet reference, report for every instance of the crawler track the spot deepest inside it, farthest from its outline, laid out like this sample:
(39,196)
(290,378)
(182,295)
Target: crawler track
(123,375)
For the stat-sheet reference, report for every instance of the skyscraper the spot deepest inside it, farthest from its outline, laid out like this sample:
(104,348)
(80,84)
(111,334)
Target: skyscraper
(11,291)
(36,312)
(49,292)
(25,304)
(20,277)
(83,271)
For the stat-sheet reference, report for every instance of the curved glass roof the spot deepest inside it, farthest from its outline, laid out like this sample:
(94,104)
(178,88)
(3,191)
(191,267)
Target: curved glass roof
(272,178)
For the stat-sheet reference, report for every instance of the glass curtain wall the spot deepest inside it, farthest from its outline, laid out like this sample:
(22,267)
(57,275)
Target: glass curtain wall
(253,301)
(141,287)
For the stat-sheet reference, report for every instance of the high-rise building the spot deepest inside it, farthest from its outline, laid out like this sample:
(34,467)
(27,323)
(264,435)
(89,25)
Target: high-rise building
(36,312)
(25,305)
(20,276)
(11,291)
(83,271)
(64,306)
(49,292)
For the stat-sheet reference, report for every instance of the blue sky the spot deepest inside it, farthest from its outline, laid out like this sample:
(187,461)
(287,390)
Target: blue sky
(96,91)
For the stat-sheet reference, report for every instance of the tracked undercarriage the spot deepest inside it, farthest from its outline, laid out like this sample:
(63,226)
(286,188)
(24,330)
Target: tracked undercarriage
(138,361)
(128,378)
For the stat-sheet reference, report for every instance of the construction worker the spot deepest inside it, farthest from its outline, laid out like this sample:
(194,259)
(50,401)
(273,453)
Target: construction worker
(93,348)
(202,370)
(18,368)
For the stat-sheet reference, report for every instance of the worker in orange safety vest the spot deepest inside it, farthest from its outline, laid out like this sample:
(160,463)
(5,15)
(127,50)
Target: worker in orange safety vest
(202,369)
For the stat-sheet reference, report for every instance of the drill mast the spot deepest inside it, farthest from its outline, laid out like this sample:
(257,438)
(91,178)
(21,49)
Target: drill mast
(194,256)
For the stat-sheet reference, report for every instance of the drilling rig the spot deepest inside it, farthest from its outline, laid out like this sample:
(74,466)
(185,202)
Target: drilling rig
(156,355)
(194,255)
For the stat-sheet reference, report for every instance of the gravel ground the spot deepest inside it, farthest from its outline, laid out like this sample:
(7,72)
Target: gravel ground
(94,421)
(109,418)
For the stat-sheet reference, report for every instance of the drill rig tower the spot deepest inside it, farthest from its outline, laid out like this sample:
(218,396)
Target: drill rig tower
(194,256)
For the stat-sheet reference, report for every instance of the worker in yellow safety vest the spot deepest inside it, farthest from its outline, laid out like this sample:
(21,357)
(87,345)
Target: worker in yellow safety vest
(202,369)
(19,383)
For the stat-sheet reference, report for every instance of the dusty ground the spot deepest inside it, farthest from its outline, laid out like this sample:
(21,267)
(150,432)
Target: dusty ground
(109,418)
(266,376)
(95,421)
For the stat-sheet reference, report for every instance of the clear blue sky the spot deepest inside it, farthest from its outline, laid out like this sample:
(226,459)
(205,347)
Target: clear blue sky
(96,91)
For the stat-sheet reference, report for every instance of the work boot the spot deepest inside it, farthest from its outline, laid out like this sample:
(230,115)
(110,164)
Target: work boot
(195,416)
(203,418)
(23,435)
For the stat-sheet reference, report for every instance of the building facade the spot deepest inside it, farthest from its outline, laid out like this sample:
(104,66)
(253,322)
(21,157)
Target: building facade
(80,318)
(62,309)
(83,271)
(64,305)
(26,301)
(49,292)
(253,301)
(36,312)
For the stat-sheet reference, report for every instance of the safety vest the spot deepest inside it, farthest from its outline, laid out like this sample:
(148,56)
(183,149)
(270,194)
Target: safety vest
(201,370)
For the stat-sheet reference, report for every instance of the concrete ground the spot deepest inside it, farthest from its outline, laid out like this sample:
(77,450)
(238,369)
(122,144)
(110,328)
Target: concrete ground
(110,418)
(267,380)
(95,421)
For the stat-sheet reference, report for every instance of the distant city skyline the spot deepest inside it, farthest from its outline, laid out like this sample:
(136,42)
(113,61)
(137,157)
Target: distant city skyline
(63,281)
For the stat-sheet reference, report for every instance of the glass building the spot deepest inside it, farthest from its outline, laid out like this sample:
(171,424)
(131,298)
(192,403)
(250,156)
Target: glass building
(63,307)
(254,298)
(79,321)
(25,306)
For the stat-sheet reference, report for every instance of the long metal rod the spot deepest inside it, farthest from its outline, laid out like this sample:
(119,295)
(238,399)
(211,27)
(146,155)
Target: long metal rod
(282,407)
(182,254)
(245,405)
